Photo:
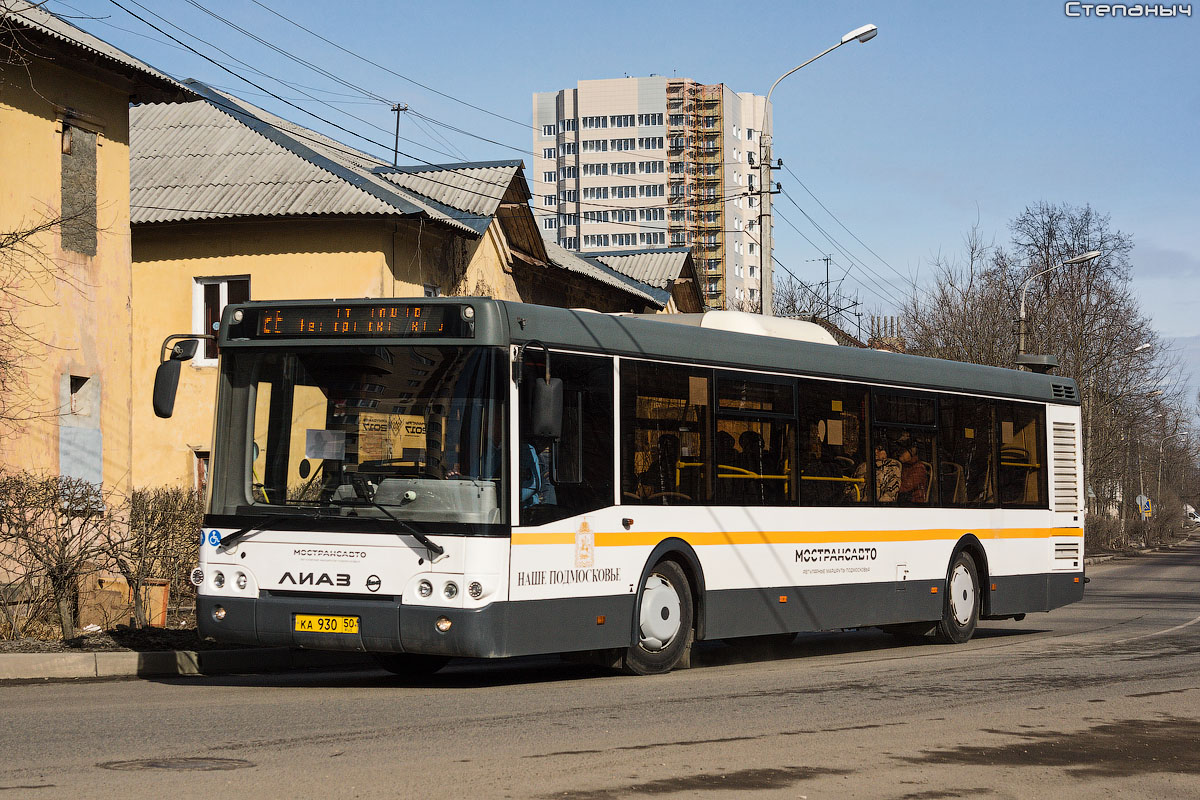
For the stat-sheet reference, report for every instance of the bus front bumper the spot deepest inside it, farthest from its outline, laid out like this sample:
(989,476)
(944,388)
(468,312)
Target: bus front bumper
(497,630)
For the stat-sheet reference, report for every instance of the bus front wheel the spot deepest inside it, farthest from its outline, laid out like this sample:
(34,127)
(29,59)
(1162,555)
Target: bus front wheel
(960,607)
(665,616)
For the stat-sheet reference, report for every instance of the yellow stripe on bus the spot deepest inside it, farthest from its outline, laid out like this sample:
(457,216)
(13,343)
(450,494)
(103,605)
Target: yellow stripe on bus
(651,538)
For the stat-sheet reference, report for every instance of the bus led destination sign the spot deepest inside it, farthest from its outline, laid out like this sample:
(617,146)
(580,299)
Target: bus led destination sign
(383,320)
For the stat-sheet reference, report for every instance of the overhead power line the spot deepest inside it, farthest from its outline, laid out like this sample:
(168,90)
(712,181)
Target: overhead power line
(847,230)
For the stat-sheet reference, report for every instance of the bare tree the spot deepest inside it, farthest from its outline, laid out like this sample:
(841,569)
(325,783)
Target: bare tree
(795,299)
(25,602)
(964,315)
(1085,314)
(30,275)
(58,524)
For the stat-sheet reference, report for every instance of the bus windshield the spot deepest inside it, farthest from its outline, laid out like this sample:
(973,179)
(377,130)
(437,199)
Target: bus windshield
(414,432)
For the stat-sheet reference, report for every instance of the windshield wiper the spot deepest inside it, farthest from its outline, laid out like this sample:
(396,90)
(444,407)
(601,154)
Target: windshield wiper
(261,525)
(433,546)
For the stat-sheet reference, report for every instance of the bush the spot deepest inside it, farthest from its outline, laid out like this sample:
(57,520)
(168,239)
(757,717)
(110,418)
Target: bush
(55,531)
(155,538)
(53,527)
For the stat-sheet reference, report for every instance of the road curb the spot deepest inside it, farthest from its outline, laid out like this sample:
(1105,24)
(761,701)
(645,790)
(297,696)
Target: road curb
(167,663)
(1140,551)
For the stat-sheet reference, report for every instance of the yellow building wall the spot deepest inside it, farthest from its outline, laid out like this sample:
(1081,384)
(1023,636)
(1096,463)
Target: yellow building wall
(77,315)
(285,260)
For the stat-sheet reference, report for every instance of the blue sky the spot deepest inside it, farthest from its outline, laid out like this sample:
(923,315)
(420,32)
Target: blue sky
(955,114)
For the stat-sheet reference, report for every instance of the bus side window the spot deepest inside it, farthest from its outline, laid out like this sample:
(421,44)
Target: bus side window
(665,453)
(833,458)
(965,448)
(755,445)
(573,475)
(1022,474)
(903,436)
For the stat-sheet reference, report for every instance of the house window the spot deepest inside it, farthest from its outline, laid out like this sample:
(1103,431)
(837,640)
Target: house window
(547,130)
(547,152)
(84,396)
(200,473)
(209,298)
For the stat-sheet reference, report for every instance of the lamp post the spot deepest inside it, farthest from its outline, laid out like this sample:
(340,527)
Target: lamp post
(1162,444)
(1021,329)
(864,34)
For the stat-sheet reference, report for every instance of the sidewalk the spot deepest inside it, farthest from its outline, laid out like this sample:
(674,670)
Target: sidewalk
(166,663)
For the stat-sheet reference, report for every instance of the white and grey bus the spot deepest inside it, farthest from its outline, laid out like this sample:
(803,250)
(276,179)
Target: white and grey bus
(430,478)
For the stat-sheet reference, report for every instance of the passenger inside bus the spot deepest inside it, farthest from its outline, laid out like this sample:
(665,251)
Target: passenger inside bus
(757,461)
(661,479)
(914,475)
(823,480)
(887,475)
(728,459)
(534,475)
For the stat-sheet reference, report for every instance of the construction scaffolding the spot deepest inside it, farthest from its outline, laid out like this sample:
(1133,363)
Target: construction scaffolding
(696,179)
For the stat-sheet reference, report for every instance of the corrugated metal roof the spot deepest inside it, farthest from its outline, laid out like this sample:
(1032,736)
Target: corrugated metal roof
(474,187)
(353,166)
(222,157)
(35,17)
(194,161)
(573,262)
(657,268)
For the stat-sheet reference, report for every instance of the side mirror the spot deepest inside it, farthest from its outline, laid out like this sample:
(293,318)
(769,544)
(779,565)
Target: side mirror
(547,417)
(166,378)
(166,382)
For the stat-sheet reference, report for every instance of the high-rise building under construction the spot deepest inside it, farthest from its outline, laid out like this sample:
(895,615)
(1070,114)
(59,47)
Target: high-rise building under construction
(636,163)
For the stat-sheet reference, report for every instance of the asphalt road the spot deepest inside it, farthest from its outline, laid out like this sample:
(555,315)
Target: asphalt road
(1100,699)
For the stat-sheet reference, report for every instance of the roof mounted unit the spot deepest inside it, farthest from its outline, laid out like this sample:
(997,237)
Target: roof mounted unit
(742,322)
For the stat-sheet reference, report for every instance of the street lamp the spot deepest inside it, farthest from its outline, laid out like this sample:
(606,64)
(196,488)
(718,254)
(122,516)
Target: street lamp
(1161,445)
(864,34)
(1088,256)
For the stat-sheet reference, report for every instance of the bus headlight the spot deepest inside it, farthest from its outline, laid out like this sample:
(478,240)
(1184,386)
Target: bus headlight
(219,579)
(240,581)
(475,589)
(424,588)
(218,613)
(450,590)
(197,577)
(442,624)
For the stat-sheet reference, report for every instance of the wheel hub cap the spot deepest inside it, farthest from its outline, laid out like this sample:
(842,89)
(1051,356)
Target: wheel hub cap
(660,613)
(962,595)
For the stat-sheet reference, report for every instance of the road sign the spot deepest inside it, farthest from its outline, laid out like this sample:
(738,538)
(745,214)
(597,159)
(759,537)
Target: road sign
(1146,509)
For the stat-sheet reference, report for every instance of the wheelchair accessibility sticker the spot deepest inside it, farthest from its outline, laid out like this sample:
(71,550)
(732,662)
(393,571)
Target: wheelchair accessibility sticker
(214,538)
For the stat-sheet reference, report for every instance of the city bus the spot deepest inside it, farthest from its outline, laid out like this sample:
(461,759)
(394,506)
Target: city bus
(423,479)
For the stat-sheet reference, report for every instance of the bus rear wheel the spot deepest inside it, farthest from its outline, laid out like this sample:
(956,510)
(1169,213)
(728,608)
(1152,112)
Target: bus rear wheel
(410,665)
(665,616)
(960,607)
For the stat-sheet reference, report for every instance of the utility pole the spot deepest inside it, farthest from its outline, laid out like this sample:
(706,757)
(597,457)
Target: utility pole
(397,108)
(764,217)
(828,301)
